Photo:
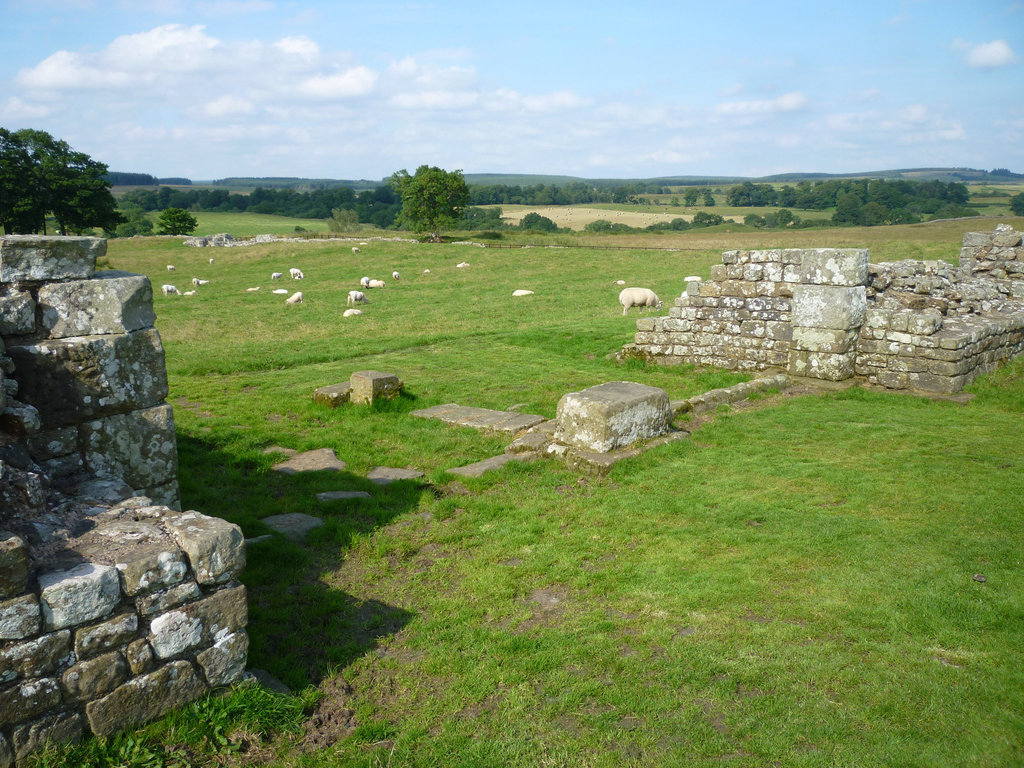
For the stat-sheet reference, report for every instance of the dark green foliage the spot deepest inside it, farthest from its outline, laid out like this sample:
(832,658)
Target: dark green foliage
(534,221)
(175,221)
(1017,204)
(432,199)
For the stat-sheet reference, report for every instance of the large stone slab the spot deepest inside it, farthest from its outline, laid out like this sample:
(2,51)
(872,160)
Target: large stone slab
(78,595)
(145,698)
(834,266)
(111,302)
(332,395)
(17,313)
(215,547)
(612,415)
(310,461)
(480,418)
(86,377)
(40,257)
(828,306)
(477,468)
(368,386)
(139,447)
(294,525)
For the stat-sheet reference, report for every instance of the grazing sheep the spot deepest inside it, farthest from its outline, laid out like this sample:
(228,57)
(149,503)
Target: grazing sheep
(296,273)
(375,284)
(522,292)
(280,291)
(276,275)
(351,312)
(355,249)
(250,290)
(394,275)
(295,298)
(619,282)
(638,297)
(462,264)
(357,297)
(364,243)
(211,261)
(189,293)
(168,289)
(426,271)
(364,282)
(170,267)
(197,282)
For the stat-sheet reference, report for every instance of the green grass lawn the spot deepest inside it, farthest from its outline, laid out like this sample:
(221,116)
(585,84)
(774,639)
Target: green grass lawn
(797,584)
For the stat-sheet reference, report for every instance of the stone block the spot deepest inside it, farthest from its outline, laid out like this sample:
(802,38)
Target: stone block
(58,728)
(140,657)
(198,624)
(333,395)
(86,377)
(112,302)
(173,633)
(834,266)
(825,340)
(20,617)
(368,386)
(17,314)
(41,257)
(20,419)
(224,662)
(293,525)
(35,658)
(53,443)
(821,365)
(95,677)
(612,415)
(98,638)
(158,602)
(13,565)
(79,595)
(145,698)
(827,306)
(215,547)
(28,699)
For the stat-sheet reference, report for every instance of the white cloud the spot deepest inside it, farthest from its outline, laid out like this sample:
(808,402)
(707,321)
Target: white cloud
(298,45)
(16,109)
(998,53)
(787,102)
(427,100)
(357,81)
(227,106)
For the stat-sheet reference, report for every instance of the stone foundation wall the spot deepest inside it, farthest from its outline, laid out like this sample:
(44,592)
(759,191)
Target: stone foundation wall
(828,313)
(114,607)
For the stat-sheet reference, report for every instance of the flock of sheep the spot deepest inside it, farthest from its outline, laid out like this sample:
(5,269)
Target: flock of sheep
(628,297)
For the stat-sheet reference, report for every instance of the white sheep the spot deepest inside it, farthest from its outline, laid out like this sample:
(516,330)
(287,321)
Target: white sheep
(619,282)
(394,275)
(364,243)
(276,275)
(351,312)
(197,282)
(168,289)
(295,298)
(280,291)
(522,292)
(250,290)
(355,249)
(426,271)
(638,297)
(189,293)
(211,261)
(170,267)
(462,264)
(364,282)
(296,273)
(357,297)
(375,284)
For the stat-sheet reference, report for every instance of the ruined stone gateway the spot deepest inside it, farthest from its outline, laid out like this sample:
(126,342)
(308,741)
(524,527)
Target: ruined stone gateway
(115,607)
(828,313)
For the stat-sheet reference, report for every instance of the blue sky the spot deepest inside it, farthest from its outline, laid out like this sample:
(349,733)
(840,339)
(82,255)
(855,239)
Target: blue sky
(216,88)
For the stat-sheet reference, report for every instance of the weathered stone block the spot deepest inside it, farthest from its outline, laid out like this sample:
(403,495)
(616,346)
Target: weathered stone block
(53,443)
(95,677)
(159,602)
(20,419)
(78,595)
(821,365)
(35,658)
(834,266)
(98,638)
(368,386)
(85,377)
(612,415)
(827,306)
(58,728)
(20,617)
(224,663)
(173,633)
(215,547)
(333,395)
(40,257)
(145,698)
(13,565)
(28,700)
(827,340)
(140,656)
(17,313)
(112,302)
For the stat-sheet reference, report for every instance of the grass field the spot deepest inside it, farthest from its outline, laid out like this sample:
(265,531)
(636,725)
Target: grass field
(794,585)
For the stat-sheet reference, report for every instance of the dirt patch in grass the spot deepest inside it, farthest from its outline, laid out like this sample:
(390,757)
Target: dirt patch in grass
(333,720)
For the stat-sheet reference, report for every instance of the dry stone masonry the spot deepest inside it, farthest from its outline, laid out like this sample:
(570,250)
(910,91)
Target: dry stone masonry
(830,314)
(114,606)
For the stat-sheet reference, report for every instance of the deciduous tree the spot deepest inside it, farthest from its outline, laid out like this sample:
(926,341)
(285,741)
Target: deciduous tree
(432,199)
(175,221)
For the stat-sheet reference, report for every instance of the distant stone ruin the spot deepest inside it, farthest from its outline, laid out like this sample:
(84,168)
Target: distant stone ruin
(114,607)
(828,313)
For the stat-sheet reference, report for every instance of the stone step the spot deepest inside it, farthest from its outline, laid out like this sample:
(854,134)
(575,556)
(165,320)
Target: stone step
(294,525)
(477,469)
(480,418)
(310,461)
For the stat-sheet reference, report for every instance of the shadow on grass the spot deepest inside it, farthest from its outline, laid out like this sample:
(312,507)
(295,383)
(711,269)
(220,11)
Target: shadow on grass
(300,629)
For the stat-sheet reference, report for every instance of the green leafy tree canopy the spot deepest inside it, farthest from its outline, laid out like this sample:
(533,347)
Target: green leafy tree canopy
(175,221)
(432,199)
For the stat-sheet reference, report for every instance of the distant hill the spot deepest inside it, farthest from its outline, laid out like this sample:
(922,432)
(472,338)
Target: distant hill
(291,182)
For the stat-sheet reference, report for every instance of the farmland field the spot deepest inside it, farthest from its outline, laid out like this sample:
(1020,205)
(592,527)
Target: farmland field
(796,584)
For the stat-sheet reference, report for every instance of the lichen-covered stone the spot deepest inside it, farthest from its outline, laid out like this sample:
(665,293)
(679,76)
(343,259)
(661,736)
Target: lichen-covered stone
(20,617)
(139,446)
(158,602)
(42,257)
(140,657)
(827,306)
(220,614)
(87,377)
(78,595)
(332,395)
(111,302)
(834,266)
(13,565)
(95,677)
(53,443)
(215,547)
(368,386)
(35,658)
(20,419)
(224,662)
(101,637)
(6,753)
(17,313)
(28,700)
(145,698)
(173,633)
(612,415)
(57,728)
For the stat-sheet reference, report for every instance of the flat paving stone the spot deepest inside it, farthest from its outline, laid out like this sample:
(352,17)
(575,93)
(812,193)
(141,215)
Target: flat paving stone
(294,525)
(311,461)
(477,469)
(385,475)
(342,495)
(480,418)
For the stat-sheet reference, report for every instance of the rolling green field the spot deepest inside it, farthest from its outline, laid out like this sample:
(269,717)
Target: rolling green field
(821,579)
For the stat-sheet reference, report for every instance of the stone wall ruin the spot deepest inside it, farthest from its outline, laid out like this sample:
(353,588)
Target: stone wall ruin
(114,606)
(829,314)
